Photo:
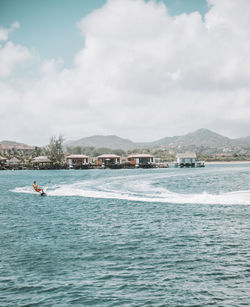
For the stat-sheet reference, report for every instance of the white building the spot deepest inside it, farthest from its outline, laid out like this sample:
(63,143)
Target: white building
(77,161)
(187,158)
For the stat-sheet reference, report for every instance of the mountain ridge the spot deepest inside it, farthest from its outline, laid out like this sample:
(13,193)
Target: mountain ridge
(99,141)
(6,144)
(199,138)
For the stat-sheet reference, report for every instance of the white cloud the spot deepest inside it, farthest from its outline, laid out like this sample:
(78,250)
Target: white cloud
(51,67)
(12,55)
(143,74)
(4,33)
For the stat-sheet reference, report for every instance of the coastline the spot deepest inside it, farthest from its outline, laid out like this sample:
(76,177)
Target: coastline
(227,162)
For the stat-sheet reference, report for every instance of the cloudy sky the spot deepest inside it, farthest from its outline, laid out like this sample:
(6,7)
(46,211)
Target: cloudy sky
(135,68)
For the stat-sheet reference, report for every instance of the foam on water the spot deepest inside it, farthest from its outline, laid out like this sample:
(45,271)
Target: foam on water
(126,188)
(27,189)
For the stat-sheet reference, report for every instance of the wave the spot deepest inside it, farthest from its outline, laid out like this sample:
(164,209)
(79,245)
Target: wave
(140,192)
(26,189)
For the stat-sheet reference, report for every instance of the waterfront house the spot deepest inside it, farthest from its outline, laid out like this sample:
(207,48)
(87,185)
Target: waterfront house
(14,162)
(108,160)
(141,160)
(2,162)
(77,161)
(2,159)
(186,159)
(224,155)
(41,162)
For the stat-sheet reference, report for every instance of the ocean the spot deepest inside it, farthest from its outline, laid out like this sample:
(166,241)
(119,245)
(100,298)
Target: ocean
(140,237)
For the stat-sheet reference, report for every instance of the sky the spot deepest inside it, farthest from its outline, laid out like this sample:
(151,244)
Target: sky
(138,69)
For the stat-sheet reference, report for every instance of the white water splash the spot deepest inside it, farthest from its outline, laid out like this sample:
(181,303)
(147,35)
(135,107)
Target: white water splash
(142,190)
(27,189)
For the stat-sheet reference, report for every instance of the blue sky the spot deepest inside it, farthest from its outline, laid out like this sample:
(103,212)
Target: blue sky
(140,69)
(49,26)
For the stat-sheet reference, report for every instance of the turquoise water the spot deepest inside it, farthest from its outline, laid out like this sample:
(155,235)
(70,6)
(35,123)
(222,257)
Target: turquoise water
(157,237)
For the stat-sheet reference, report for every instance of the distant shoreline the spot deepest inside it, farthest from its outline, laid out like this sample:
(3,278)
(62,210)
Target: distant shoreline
(227,162)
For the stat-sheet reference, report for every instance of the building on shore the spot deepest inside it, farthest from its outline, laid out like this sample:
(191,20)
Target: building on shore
(109,160)
(2,162)
(141,160)
(224,155)
(14,162)
(77,161)
(41,162)
(188,159)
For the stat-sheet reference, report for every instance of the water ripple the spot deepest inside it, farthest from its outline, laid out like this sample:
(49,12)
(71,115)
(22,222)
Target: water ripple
(173,249)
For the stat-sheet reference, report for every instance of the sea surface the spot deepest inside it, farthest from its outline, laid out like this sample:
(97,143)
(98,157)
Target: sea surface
(155,237)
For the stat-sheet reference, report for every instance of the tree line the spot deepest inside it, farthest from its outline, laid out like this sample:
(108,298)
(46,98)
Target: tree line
(56,152)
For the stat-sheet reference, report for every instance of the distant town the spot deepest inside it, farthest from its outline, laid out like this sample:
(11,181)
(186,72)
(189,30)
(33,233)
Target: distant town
(190,150)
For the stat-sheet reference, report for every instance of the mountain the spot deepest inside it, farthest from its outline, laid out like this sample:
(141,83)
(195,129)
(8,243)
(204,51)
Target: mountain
(202,138)
(4,145)
(169,140)
(242,142)
(103,141)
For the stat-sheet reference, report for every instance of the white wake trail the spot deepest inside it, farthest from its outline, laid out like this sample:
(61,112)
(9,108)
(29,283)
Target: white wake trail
(160,195)
(143,188)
